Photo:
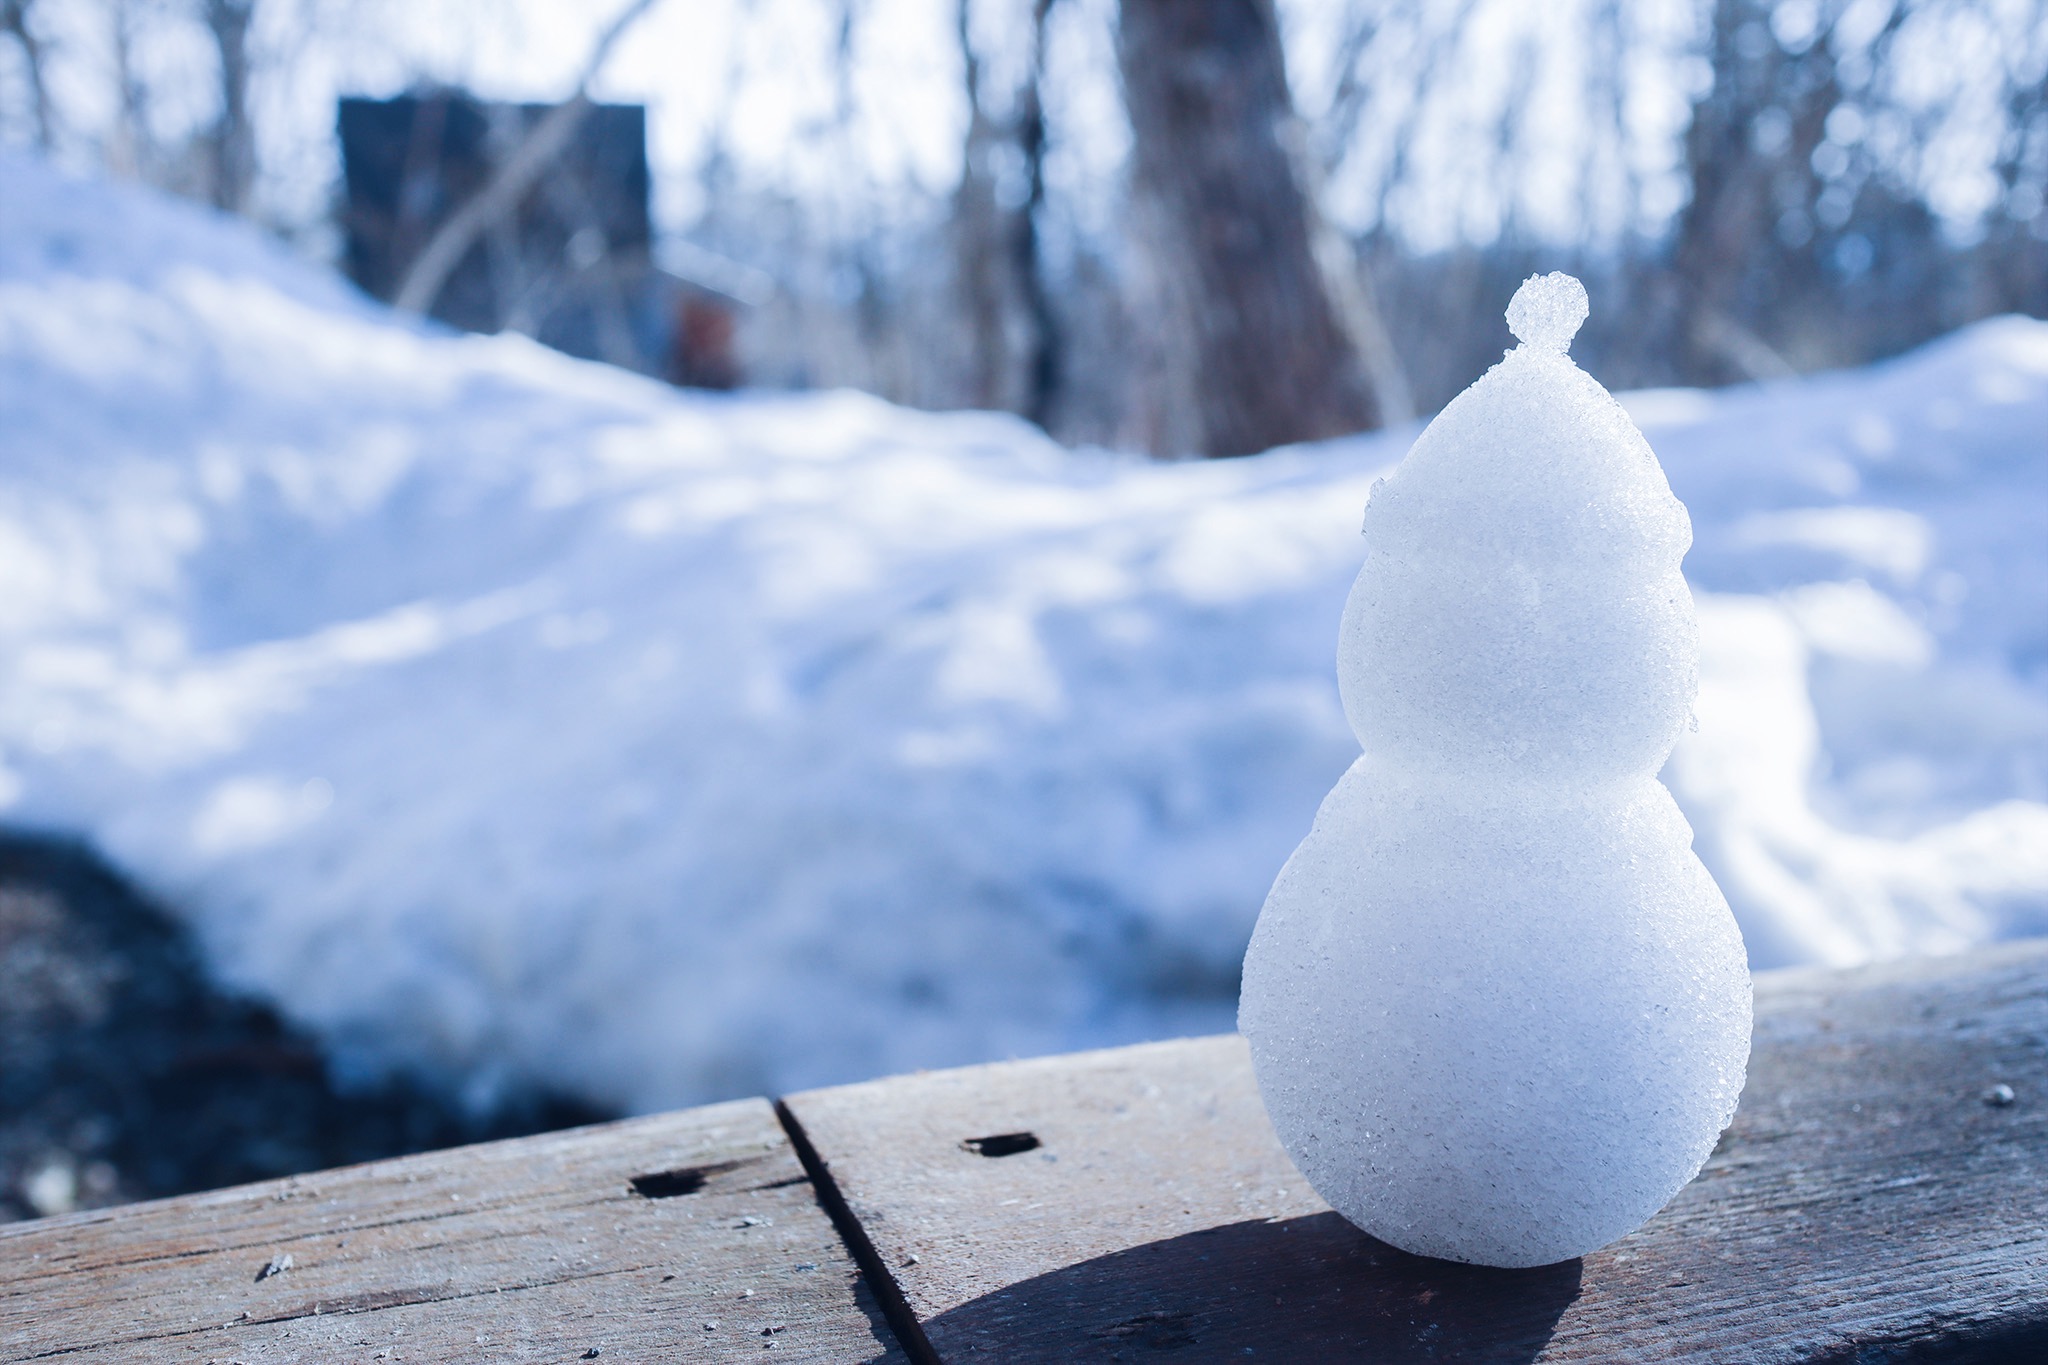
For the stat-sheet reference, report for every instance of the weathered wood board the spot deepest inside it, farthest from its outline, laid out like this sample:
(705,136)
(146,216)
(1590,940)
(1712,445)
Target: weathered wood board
(1868,1204)
(539,1249)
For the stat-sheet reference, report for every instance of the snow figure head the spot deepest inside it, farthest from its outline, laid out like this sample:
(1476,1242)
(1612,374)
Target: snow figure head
(1547,311)
(1521,610)
(1498,1010)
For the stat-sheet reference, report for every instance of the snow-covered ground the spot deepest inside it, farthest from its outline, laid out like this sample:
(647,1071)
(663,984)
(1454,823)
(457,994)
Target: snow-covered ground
(517,719)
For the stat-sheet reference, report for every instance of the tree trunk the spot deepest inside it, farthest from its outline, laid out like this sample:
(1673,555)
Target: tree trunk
(14,19)
(1042,353)
(1255,350)
(234,139)
(1759,292)
(1014,362)
(978,231)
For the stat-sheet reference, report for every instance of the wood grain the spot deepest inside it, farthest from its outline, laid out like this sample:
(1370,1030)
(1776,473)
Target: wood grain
(538,1249)
(1867,1204)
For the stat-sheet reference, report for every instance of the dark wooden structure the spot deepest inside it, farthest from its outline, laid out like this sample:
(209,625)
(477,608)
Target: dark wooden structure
(1881,1196)
(572,266)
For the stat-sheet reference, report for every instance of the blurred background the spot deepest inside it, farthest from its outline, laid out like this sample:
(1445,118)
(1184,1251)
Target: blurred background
(987,204)
(562,559)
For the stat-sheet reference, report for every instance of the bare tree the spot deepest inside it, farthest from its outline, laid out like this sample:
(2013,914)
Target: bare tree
(1357,307)
(130,151)
(2013,259)
(1042,362)
(15,22)
(1010,313)
(985,285)
(233,141)
(1776,222)
(1256,346)
(1347,274)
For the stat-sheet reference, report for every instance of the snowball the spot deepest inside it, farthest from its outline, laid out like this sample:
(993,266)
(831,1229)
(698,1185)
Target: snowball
(1498,1010)
(1547,310)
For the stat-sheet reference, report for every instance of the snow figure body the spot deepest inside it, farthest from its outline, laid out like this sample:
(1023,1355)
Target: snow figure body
(1498,1010)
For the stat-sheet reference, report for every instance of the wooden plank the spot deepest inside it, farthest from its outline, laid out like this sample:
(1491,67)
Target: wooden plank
(1868,1203)
(536,1249)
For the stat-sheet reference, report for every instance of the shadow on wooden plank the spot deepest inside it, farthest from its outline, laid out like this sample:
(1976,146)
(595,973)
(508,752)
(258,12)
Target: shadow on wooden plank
(1879,1200)
(1325,1291)
(2017,1345)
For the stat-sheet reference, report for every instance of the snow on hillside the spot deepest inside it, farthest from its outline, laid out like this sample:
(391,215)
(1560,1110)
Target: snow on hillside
(520,720)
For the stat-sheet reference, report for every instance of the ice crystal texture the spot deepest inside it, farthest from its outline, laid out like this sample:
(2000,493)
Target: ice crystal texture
(1498,1009)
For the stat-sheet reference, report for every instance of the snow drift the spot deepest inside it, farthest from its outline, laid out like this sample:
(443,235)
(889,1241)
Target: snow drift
(518,720)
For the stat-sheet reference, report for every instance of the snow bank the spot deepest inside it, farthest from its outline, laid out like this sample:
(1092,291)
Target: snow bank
(514,718)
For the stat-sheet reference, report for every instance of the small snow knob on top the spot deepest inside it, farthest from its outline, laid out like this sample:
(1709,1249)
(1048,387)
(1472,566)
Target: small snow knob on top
(1547,310)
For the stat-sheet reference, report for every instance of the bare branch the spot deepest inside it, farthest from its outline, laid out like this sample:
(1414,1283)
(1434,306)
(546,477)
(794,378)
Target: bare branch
(1428,69)
(233,139)
(516,175)
(14,20)
(1347,103)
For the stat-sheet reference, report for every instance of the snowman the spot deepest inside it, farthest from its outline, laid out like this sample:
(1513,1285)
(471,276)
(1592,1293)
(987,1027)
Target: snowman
(1498,1011)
